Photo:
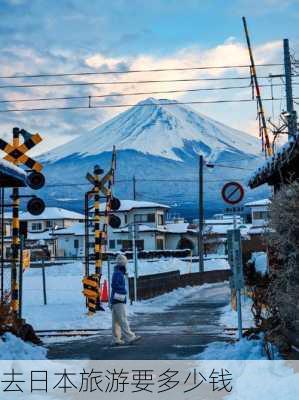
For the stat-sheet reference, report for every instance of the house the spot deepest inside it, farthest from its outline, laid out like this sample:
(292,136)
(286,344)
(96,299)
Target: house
(149,219)
(70,241)
(52,218)
(259,213)
(42,227)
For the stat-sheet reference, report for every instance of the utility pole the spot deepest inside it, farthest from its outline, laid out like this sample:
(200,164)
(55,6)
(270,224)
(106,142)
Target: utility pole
(134,187)
(292,115)
(2,244)
(200,216)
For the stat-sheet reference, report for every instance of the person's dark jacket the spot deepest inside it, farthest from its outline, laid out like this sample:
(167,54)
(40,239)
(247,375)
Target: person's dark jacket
(118,284)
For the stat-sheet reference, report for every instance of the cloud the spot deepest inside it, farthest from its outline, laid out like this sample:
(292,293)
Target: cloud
(59,126)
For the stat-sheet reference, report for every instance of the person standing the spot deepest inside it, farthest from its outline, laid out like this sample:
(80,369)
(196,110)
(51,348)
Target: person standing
(121,331)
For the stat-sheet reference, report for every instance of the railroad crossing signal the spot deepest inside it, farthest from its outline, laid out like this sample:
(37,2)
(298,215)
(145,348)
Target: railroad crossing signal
(102,188)
(15,153)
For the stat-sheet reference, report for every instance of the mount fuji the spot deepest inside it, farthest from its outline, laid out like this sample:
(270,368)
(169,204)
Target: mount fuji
(158,142)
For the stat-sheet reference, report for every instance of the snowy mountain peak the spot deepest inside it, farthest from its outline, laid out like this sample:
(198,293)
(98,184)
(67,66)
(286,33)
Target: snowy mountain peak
(160,127)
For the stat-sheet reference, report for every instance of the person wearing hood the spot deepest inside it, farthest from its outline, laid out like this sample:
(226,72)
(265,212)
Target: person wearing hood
(121,331)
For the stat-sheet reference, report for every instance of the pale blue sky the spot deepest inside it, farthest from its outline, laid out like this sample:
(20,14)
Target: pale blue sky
(93,35)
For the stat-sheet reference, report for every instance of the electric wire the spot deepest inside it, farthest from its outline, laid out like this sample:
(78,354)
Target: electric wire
(194,68)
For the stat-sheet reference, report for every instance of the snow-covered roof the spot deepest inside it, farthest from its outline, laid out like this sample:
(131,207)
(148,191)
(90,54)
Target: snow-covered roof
(10,170)
(226,221)
(259,230)
(47,235)
(181,227)
(77,229)
(270,167)
(128,205)
(141,228)
(257,203)
(52,213)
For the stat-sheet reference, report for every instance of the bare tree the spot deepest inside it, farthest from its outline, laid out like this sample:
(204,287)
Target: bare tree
(282,296)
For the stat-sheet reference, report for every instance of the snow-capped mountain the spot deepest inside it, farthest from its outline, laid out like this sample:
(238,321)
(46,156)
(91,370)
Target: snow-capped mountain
(168,130)
(158,141)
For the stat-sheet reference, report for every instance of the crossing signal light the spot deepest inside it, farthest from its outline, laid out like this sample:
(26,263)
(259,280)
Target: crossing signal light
(98,170)
(36,206)
(114,203)
(35,180)
(114,221)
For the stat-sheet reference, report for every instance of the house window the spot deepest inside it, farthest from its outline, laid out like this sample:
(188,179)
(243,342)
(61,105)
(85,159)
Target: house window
(76,243)
(140,244)
(112,244)
(119,242)
(260,215)
(144,218)
(160,219)
(36,226)
(160,244)
(126,245)
(49,224)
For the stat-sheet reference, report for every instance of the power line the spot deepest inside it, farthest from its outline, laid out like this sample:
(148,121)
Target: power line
(33,85)
(91,107)
(139,93)
(138,180)
(47,75)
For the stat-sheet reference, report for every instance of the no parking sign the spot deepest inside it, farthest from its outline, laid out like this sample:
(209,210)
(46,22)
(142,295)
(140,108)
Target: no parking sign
(232,192)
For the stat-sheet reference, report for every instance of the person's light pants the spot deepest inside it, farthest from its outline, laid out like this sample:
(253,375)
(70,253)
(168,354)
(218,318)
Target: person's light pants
(120,326)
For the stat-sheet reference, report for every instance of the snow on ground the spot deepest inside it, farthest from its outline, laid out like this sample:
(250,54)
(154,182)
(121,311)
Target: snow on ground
(236,350)
(260,261)
(65,307)
(14,348)
(239,350)
(186,266)
(229,317)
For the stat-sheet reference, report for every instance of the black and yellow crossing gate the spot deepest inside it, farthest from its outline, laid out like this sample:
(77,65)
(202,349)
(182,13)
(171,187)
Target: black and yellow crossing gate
(16,154)
(102,217)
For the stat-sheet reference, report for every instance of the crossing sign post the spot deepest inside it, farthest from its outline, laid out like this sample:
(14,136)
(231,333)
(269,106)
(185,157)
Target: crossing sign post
(102,189)
(16,154)
(233,193)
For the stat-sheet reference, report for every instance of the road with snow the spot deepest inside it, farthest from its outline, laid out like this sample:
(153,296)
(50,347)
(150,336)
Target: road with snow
(182,330)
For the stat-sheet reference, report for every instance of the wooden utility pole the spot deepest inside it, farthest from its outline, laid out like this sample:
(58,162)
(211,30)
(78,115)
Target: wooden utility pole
(292,115)
(263,126)
(200,216)
(134,187)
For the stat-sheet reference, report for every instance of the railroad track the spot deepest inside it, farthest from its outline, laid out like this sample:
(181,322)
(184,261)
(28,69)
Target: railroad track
(103,332)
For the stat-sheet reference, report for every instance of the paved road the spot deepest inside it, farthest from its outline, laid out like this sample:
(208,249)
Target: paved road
(180,332)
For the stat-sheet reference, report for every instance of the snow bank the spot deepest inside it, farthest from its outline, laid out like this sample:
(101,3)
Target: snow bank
(240,350)
(260,261)
(185,266)
(14,348)
(229,317)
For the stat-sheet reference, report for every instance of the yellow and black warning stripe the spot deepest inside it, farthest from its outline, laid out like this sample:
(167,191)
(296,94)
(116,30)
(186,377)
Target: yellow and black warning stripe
(16,152)
(91,292)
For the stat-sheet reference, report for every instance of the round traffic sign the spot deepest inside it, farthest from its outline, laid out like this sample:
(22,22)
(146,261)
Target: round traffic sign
(232,192)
